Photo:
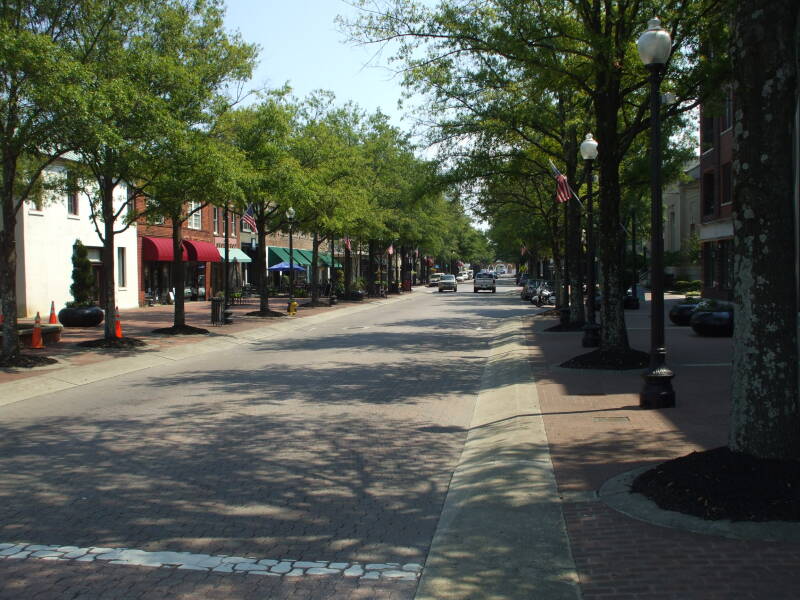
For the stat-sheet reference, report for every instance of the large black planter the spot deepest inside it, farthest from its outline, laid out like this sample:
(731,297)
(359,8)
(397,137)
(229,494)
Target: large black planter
(83,316)
(713,319)
(356,295)
(681,314)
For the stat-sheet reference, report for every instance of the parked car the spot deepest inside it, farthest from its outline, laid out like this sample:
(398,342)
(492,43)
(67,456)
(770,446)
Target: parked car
(523,278)
(448,282)
(461,277)
(484,281)
(434,279)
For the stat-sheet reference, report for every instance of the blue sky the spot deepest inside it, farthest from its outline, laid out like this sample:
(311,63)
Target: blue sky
(300,44)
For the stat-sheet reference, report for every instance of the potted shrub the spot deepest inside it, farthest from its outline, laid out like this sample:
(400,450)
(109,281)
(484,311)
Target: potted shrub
(713,318)
(357,293)
(82,311)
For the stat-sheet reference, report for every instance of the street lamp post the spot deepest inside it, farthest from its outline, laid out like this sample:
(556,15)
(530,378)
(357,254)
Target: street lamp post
(635,279)
(290,218)
(654,47)
(331,279)
(591,331)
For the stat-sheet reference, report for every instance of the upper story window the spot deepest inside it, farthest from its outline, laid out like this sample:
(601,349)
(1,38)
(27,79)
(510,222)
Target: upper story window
(706,133)
(726,185)
(215,218)
(709,195)
(72,194)
(726,122)
(195,218)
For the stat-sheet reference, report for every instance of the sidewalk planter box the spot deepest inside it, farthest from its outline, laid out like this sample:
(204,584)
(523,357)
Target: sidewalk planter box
(681,313)
(713,318)
(356,295)
(81,316)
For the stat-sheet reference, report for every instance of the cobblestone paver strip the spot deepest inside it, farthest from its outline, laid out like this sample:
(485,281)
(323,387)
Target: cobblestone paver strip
(217,564)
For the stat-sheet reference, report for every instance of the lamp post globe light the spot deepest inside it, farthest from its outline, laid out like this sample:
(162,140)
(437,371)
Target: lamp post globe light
(290,218)
(591,331)
(654,47)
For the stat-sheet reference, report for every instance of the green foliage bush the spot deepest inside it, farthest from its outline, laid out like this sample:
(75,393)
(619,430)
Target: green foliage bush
(82,287)
(688,286)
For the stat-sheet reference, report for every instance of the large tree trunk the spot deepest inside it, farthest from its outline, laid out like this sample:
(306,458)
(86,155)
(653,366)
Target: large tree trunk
(765,410)
(613,334)
(314,270)
(372,284)
(262,280)
(109,299)
(8,264)
(348,272)
(178,273)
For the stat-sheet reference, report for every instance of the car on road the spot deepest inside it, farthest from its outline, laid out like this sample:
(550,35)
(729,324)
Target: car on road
(433,281)
(484,281)
(448,282)
(460,277)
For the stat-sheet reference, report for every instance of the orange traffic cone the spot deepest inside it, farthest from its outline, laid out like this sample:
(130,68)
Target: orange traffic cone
(53,317)
(37,343)
(117,324)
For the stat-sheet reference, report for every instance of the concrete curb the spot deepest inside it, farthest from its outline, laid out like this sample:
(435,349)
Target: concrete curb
(49,381)
(501,534)
(616,493)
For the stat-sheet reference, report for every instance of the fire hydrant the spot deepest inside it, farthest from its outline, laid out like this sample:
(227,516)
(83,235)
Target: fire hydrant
(292,308)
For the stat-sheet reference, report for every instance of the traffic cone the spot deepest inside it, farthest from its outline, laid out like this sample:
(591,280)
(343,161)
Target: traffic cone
(53,317)
(117,324)
(37,343)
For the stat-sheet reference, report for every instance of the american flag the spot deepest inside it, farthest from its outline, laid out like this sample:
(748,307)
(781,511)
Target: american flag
(523,250)
(347,244)
(390,249)
(247,217)
(563,190)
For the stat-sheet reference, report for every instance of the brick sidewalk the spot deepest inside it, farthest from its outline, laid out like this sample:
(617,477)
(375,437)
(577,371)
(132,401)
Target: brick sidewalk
(140,323)
(596,431)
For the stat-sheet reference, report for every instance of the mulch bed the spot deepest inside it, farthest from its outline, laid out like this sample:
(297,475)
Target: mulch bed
(181,330)
(268,313)
(124,343)
(720,484)
(28,361)
(609,359)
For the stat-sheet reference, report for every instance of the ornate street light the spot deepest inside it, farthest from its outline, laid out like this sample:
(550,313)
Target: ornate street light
(290,218)
(655,47)
(591,331)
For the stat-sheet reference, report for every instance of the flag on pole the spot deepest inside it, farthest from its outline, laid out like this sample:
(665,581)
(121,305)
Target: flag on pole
(347,244)
(563,190)
(249,219)
(390,249)
(523,250)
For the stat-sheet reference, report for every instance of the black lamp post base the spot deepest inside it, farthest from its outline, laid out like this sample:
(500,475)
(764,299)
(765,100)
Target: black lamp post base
(591,335)
(657,391)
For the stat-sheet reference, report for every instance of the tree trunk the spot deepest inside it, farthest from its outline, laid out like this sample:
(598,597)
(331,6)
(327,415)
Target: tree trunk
(262,279)
(577,313)
(178,273)
(348,272)
(314,270)
(371,275)
(8,265)
(109,299)
(765,410)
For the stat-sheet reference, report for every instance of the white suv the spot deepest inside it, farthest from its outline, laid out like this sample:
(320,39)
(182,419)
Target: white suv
(484,281)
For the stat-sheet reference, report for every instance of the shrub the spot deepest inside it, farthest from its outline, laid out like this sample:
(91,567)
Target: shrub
(697,285)
(82,287)
(682,286)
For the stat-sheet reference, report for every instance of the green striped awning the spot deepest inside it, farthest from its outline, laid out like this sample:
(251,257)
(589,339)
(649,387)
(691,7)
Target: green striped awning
(276,254)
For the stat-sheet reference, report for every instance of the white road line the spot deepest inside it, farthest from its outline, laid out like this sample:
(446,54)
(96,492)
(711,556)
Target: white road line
(283,567)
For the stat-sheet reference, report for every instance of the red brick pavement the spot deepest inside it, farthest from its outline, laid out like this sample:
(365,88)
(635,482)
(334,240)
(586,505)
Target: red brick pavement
(596,431)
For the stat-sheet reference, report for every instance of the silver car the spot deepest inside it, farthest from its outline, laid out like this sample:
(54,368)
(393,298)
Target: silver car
(448,282)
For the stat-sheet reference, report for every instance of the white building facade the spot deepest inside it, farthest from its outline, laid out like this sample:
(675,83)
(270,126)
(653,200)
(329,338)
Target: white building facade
(47,228)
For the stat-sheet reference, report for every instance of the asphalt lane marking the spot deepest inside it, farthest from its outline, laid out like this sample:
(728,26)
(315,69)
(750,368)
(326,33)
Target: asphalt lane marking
(283,567)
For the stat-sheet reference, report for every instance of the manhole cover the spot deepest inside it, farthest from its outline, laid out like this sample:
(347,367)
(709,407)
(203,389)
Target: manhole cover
(610,419)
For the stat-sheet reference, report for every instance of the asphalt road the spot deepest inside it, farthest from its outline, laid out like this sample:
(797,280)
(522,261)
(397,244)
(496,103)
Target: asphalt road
(334,442)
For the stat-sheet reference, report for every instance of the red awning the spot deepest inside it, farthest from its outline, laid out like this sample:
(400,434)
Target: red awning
(160,249)
(201,251)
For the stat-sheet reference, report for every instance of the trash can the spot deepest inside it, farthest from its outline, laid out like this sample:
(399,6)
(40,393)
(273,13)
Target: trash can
(217,311)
